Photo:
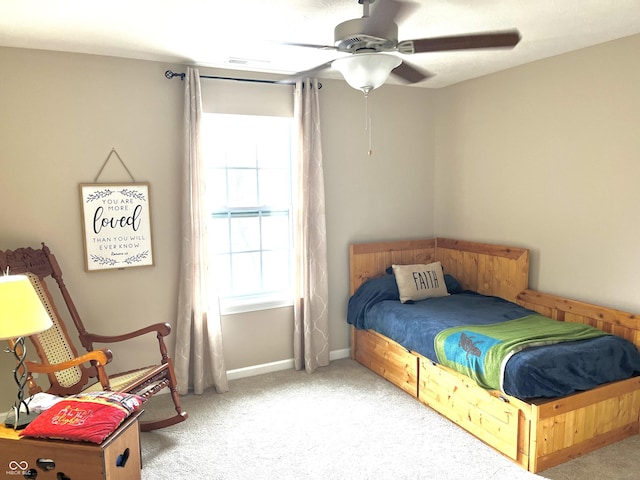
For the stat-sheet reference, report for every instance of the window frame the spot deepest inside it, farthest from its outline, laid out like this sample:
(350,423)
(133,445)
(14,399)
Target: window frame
(232,304)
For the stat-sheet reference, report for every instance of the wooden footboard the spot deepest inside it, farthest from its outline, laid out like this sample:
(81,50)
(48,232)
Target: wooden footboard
(571,426)
(536,434)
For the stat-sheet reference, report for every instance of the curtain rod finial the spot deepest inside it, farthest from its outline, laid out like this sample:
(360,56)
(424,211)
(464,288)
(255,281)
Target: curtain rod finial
(169,74)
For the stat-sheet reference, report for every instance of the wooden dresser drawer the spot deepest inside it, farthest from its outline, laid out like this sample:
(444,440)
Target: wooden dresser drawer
(491,418)
(387,359)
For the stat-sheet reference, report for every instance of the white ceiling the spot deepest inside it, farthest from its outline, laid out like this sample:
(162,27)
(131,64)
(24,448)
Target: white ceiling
(212,33)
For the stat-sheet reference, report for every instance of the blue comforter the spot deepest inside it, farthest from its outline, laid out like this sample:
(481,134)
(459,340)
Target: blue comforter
(544,371)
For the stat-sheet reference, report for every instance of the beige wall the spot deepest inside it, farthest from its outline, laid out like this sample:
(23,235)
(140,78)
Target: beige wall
(547,156)
(62,114)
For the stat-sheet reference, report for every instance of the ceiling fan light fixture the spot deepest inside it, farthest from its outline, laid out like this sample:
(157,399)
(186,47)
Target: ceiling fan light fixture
(366,71)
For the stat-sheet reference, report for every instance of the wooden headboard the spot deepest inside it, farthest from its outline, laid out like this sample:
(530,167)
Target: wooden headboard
(485,268)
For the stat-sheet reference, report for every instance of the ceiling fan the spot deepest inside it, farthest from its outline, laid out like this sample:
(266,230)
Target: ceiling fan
(372,39)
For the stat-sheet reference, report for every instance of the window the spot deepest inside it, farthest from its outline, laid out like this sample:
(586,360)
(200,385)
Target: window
(248,184)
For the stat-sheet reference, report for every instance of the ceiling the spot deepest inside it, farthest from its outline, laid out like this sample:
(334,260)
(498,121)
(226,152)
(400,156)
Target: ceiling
(248,34)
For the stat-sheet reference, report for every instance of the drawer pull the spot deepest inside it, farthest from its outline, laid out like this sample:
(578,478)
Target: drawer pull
(62,476)
(46,464)
(121,461)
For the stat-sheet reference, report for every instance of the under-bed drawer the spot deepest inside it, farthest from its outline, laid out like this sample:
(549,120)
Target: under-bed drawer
(492,419)
(387,359)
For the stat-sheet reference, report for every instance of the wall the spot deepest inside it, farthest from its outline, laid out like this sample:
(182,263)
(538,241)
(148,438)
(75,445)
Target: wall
(62,114)
(547,156)
(385,196)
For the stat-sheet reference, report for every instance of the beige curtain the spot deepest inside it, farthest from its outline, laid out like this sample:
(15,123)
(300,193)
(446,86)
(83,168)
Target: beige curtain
(199,362)
(311,319)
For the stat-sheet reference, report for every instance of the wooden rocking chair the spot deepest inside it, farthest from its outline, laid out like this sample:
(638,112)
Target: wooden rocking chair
(70,373)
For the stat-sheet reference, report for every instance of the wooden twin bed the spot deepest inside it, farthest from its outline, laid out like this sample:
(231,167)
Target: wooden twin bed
(535,434)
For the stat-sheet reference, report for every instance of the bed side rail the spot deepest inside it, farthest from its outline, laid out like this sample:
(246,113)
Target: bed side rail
(610,320)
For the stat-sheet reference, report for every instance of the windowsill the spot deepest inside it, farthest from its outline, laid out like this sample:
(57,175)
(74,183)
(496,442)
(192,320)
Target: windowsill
(231,307)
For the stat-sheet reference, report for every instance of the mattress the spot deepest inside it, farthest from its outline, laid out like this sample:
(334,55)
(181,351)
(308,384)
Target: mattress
(537,371)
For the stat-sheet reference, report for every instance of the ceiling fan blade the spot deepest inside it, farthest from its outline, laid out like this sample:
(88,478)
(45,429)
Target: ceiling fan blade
(410,74)
(504,39)
(305,73)
(385,12)
(309,45)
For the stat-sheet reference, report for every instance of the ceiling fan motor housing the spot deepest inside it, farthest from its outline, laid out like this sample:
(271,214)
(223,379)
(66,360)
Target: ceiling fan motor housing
(352,36)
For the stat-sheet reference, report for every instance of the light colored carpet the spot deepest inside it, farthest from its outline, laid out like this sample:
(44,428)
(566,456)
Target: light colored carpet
(341,422)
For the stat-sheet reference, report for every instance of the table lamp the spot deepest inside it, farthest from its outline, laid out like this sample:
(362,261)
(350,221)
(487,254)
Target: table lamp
(21,314)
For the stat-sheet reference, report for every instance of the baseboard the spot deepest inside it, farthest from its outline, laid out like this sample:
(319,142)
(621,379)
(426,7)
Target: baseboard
(277,366)
(338,354)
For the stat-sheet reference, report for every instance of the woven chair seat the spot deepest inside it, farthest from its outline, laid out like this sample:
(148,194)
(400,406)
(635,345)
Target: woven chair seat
(123,381)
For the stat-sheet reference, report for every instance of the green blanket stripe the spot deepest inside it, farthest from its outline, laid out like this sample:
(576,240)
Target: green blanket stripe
(482,351)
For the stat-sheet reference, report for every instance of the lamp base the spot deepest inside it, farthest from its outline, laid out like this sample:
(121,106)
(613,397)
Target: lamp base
(23,420)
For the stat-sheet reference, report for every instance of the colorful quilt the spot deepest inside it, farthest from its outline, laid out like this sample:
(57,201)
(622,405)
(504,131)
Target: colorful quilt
(482,351)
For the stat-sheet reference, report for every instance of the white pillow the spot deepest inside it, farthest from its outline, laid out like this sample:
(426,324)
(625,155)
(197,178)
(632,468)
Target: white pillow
(417,282)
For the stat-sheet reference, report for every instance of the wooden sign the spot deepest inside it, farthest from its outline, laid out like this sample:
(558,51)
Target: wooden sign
(116,225)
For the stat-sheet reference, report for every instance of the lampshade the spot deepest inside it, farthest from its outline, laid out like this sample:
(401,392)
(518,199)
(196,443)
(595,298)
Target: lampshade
(366,71)
(21,311)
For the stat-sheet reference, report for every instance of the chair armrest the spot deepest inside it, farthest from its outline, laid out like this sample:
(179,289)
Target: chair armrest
(102,357)
(161,330)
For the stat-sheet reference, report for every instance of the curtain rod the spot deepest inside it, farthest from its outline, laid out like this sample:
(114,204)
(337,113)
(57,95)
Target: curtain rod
(169,75)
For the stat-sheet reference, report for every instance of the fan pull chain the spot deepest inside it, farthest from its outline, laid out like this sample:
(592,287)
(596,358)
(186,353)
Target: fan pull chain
(367,121)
